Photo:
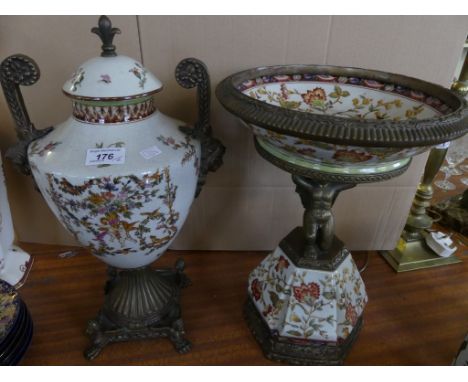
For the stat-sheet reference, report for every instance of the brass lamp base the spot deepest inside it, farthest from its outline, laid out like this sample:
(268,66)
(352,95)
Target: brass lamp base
(414,255)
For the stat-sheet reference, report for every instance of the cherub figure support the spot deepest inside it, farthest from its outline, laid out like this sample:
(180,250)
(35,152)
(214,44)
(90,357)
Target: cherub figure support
(318,222)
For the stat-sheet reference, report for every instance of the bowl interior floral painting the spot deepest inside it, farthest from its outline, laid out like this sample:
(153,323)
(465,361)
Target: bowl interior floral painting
(344,97)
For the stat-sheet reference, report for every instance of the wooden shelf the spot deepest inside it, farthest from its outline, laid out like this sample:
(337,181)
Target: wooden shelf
(413,318)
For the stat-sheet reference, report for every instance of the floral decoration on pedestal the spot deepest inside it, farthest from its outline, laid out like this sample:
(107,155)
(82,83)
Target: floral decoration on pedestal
(306,304)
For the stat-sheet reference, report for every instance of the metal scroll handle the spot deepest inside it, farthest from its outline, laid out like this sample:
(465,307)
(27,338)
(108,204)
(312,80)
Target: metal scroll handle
(191,73)
(19,70)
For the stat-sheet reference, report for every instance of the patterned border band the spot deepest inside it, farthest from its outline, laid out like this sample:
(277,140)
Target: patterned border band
(113,112)
(330,129)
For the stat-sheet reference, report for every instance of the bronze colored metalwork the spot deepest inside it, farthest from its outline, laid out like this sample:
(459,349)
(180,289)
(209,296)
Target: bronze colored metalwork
(106,33)
(191,73)
(139,304)
(326,128)
(326,177)
(292,352)
(412,252)
(21,70)
(316,246)
(454,212)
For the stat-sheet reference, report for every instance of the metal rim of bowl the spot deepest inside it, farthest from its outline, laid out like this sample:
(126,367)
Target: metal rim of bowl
(326,128)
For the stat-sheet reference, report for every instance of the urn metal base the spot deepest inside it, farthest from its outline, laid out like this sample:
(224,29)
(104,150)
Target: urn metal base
(297,352)
(141,303)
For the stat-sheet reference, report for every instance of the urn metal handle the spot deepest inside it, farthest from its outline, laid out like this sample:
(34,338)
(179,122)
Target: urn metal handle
(17,70)
(191,73)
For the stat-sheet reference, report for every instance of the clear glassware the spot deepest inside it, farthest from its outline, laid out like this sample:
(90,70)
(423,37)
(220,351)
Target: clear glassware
(456,154)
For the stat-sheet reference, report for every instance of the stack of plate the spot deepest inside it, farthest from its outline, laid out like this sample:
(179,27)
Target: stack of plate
(16,327)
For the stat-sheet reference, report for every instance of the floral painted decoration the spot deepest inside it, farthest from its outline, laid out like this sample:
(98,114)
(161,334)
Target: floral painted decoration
(351,156)
(35,148)
(316,98)
(77,79)
(304,306)
(140,73)
(190,150)
(105,78)
(113,210)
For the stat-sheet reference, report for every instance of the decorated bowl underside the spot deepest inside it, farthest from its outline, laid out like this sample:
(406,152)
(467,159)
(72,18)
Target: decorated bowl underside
(336,158)
(345,97)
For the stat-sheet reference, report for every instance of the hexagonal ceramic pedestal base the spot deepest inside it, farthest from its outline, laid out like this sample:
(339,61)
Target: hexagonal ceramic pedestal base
(305,316)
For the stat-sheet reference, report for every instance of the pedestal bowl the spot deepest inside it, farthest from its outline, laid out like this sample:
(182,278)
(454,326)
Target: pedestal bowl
(331,128)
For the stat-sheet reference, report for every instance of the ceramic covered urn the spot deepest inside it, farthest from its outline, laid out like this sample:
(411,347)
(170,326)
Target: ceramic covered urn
(118,174)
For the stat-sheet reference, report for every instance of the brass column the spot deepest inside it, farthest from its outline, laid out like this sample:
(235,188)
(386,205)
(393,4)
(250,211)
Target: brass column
(412,252)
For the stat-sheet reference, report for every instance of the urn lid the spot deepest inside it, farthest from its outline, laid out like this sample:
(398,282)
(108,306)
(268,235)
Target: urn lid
(110,76)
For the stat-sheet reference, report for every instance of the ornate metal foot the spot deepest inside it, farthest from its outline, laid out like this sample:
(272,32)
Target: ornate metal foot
(155,313)
(177,333)
(98,340)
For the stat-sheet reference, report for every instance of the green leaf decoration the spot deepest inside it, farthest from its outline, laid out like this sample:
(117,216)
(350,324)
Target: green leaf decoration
(318,103)
(328,295)
(294,333)
(274,298)
(309,333)
(295,317)
(338,90)
(333,95)
(345,93)
(289,104)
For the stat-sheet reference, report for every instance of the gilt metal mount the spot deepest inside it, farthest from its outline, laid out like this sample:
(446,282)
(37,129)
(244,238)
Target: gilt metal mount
(106,33)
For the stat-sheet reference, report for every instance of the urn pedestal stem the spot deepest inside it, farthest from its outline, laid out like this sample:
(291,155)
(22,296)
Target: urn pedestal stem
(141,303)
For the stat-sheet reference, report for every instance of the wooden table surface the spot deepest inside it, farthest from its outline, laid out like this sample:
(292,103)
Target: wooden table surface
(413,318)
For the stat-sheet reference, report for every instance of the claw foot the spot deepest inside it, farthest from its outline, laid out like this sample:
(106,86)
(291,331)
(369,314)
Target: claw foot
(98,339)
(183,346)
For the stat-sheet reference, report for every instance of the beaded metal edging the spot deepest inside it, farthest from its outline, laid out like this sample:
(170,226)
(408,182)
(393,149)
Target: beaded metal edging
(331,129)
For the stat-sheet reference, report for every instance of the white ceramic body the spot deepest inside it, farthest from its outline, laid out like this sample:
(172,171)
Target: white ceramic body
(14,262)
(126,214)
(104,77)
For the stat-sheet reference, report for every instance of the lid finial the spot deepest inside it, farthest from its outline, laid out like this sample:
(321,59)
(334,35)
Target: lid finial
(106,33)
